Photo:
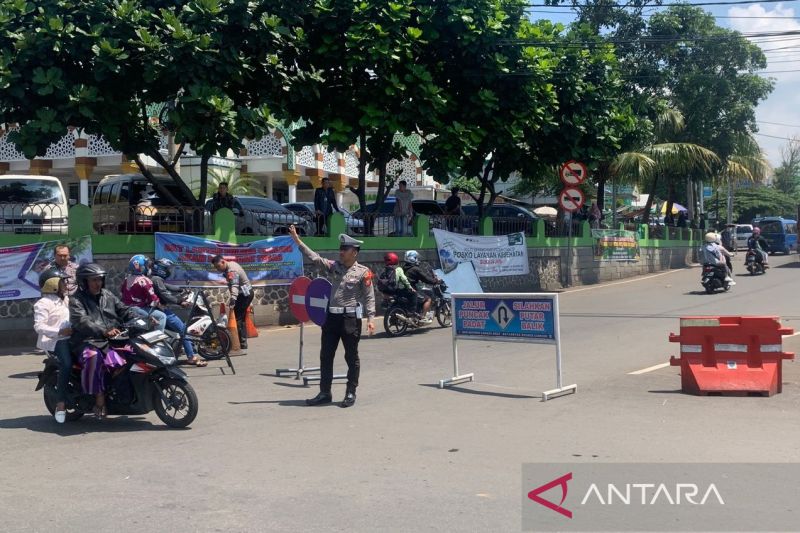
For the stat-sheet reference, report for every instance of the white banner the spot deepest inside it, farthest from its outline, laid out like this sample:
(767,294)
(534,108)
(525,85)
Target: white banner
(20,266)
(501,255)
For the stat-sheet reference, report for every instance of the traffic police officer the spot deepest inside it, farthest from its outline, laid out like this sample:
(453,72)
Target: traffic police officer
(352,292)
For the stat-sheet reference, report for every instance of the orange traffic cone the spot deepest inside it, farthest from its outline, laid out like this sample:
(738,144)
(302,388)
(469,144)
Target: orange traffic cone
(252,330)
(233,330)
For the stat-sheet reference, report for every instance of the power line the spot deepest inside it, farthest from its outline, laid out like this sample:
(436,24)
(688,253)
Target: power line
(778,124)
(774,137)
(715,16)
(718,3)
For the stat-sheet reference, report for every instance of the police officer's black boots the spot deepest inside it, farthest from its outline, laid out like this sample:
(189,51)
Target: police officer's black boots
(320,399)
(349,399)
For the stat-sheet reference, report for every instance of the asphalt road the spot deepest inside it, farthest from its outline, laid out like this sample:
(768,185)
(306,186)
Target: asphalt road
(408,456)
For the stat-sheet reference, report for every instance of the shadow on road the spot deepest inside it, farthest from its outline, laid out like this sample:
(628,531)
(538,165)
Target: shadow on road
(25,375)
(87,424)
(793,264)
(284,403)
(481,392)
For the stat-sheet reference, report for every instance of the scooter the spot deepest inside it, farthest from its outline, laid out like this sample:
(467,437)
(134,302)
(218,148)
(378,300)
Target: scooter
(149,381)
(713,278)
(210,338)
(753,263)
(402,314)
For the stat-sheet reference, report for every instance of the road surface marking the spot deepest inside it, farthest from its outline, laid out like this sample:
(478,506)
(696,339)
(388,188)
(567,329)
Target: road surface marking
(638,278)
(648,369)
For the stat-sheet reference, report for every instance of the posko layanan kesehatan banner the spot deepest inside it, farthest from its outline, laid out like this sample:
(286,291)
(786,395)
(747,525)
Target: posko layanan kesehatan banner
(500,255)
(615,245)
(20,266)
(273,261)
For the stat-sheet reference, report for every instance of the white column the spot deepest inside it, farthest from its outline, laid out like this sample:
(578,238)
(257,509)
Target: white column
(84,192)
(292,193)
(269,187)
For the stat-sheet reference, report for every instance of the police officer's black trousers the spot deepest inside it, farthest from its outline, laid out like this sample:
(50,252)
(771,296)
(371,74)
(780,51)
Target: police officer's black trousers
(348,329)
(240,310)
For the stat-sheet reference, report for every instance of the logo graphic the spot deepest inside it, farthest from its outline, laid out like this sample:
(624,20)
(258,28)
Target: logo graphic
(562,481)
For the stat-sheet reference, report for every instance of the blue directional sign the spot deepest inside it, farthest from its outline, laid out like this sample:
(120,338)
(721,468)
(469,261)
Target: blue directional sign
(317,296)
(506,317)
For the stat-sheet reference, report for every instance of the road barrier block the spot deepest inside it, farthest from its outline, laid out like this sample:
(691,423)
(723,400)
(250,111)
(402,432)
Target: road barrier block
(729,354)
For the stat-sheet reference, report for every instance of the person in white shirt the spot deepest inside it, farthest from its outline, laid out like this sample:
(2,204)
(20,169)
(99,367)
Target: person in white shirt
(51,323)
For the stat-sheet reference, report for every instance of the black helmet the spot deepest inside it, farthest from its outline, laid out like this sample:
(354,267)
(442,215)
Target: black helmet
(89,270)
(162,268)
(51,274)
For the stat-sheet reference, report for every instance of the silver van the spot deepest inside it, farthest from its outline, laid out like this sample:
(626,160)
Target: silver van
(33,204)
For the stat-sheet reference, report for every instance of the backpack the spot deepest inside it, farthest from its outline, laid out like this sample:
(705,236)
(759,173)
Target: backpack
(387,280)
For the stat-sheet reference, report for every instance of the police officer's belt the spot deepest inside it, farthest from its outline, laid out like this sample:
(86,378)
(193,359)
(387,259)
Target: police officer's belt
(342,310)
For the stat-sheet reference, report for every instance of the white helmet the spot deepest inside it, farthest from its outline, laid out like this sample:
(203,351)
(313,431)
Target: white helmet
(711,237)
(412,257)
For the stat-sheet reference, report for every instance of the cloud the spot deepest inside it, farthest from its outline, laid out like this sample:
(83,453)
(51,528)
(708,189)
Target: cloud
(783,54)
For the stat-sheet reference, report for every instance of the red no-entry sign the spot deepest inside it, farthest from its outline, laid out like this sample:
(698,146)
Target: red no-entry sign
(571,199)
(297,298)
(573,173)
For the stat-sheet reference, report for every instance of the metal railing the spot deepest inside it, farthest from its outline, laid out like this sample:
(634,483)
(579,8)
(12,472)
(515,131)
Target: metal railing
(148,219)
(465,224)
(27,219)
(560,228)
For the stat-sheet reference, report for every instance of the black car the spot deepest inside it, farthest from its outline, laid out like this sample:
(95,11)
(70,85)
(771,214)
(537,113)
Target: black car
(384,222)
(506,218)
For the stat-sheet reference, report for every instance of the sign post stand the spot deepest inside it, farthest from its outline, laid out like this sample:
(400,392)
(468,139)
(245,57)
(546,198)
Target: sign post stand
(316,304)
(571,199)
(297,296)
(523,317)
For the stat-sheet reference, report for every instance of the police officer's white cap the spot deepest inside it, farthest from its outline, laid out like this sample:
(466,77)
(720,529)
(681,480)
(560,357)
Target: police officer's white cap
(347,240)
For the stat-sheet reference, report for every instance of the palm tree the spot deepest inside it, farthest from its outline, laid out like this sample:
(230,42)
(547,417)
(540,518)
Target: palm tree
(238,184)
(664,159)
(746,163)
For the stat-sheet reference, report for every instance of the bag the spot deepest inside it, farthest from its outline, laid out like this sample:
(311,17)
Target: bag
(387,281)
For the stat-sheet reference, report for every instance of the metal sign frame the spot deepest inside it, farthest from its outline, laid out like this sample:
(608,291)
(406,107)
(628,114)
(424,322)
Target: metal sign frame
(511,335)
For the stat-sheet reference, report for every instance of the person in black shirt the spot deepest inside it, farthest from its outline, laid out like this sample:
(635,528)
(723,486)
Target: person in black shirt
(416,274)
(324,204)
(452,208)
(221,198)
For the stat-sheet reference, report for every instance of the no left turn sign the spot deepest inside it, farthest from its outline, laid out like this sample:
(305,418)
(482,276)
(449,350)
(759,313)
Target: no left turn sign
(571,199)
(573,173)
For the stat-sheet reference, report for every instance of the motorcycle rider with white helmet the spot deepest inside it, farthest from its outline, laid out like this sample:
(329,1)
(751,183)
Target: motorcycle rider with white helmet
(711,254)
(416,273)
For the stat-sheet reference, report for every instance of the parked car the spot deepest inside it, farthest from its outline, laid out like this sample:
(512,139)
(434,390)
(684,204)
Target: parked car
(741,232)
(780,233)
(32,204)
(128,203)
(384,221)
(506,218)
(306,210)
(264,216)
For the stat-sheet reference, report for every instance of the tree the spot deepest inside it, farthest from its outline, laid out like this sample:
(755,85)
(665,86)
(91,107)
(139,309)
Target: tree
(787,176)
(758,201)
(211,67)
(238,184)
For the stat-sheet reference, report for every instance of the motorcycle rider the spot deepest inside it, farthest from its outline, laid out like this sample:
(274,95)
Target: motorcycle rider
(171,294)
(711,254)
(416,274)
(137,291)
(396,278)
(727,256)
(96,315)
(758,243)
(51,323)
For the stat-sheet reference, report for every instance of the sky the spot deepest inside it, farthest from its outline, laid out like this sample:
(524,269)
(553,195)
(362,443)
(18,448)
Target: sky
(778,117)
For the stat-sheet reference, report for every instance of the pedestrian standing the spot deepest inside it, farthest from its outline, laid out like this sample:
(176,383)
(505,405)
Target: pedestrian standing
(403,209)
(452,208)
(241,293)
(64,264)
(352,297)
(324,204)
(221,198)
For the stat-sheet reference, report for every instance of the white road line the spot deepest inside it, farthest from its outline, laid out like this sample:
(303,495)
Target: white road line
(795,334)
(637,278)
(648,369)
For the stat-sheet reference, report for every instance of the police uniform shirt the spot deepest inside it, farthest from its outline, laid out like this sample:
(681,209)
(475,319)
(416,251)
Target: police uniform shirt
(350,285)
(238,282)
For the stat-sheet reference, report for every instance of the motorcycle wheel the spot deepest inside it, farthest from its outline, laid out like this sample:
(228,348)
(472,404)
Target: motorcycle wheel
(709,288)
(176,403)
(444,315)
(49,393)
(215,346)
(393,325)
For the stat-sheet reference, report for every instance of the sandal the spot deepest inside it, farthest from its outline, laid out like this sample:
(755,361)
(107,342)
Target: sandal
(196,361)
(100,411)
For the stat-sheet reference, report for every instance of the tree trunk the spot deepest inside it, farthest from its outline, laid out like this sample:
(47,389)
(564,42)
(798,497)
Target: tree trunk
(649,204)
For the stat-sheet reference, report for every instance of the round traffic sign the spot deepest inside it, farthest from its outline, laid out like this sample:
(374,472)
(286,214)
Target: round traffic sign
(297,298)
(571,199)
(317,296)
(573,173)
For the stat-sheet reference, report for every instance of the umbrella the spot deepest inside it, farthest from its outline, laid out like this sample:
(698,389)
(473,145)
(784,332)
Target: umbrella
(676,208)
(545,211)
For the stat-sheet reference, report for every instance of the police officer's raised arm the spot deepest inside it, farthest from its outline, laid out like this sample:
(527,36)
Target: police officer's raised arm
(312,256)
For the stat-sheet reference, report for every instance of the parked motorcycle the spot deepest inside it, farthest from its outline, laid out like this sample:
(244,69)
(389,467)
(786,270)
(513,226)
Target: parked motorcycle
(753,263)
(402,314)
(150,380)
(713,278)
(210,338)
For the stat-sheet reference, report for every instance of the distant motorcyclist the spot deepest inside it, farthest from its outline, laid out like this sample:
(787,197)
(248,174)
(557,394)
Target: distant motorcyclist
(393,280)
(137,291)
(726,255)
(172,294)
(758,243)
(96,315)
(417,273)
(711,254)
